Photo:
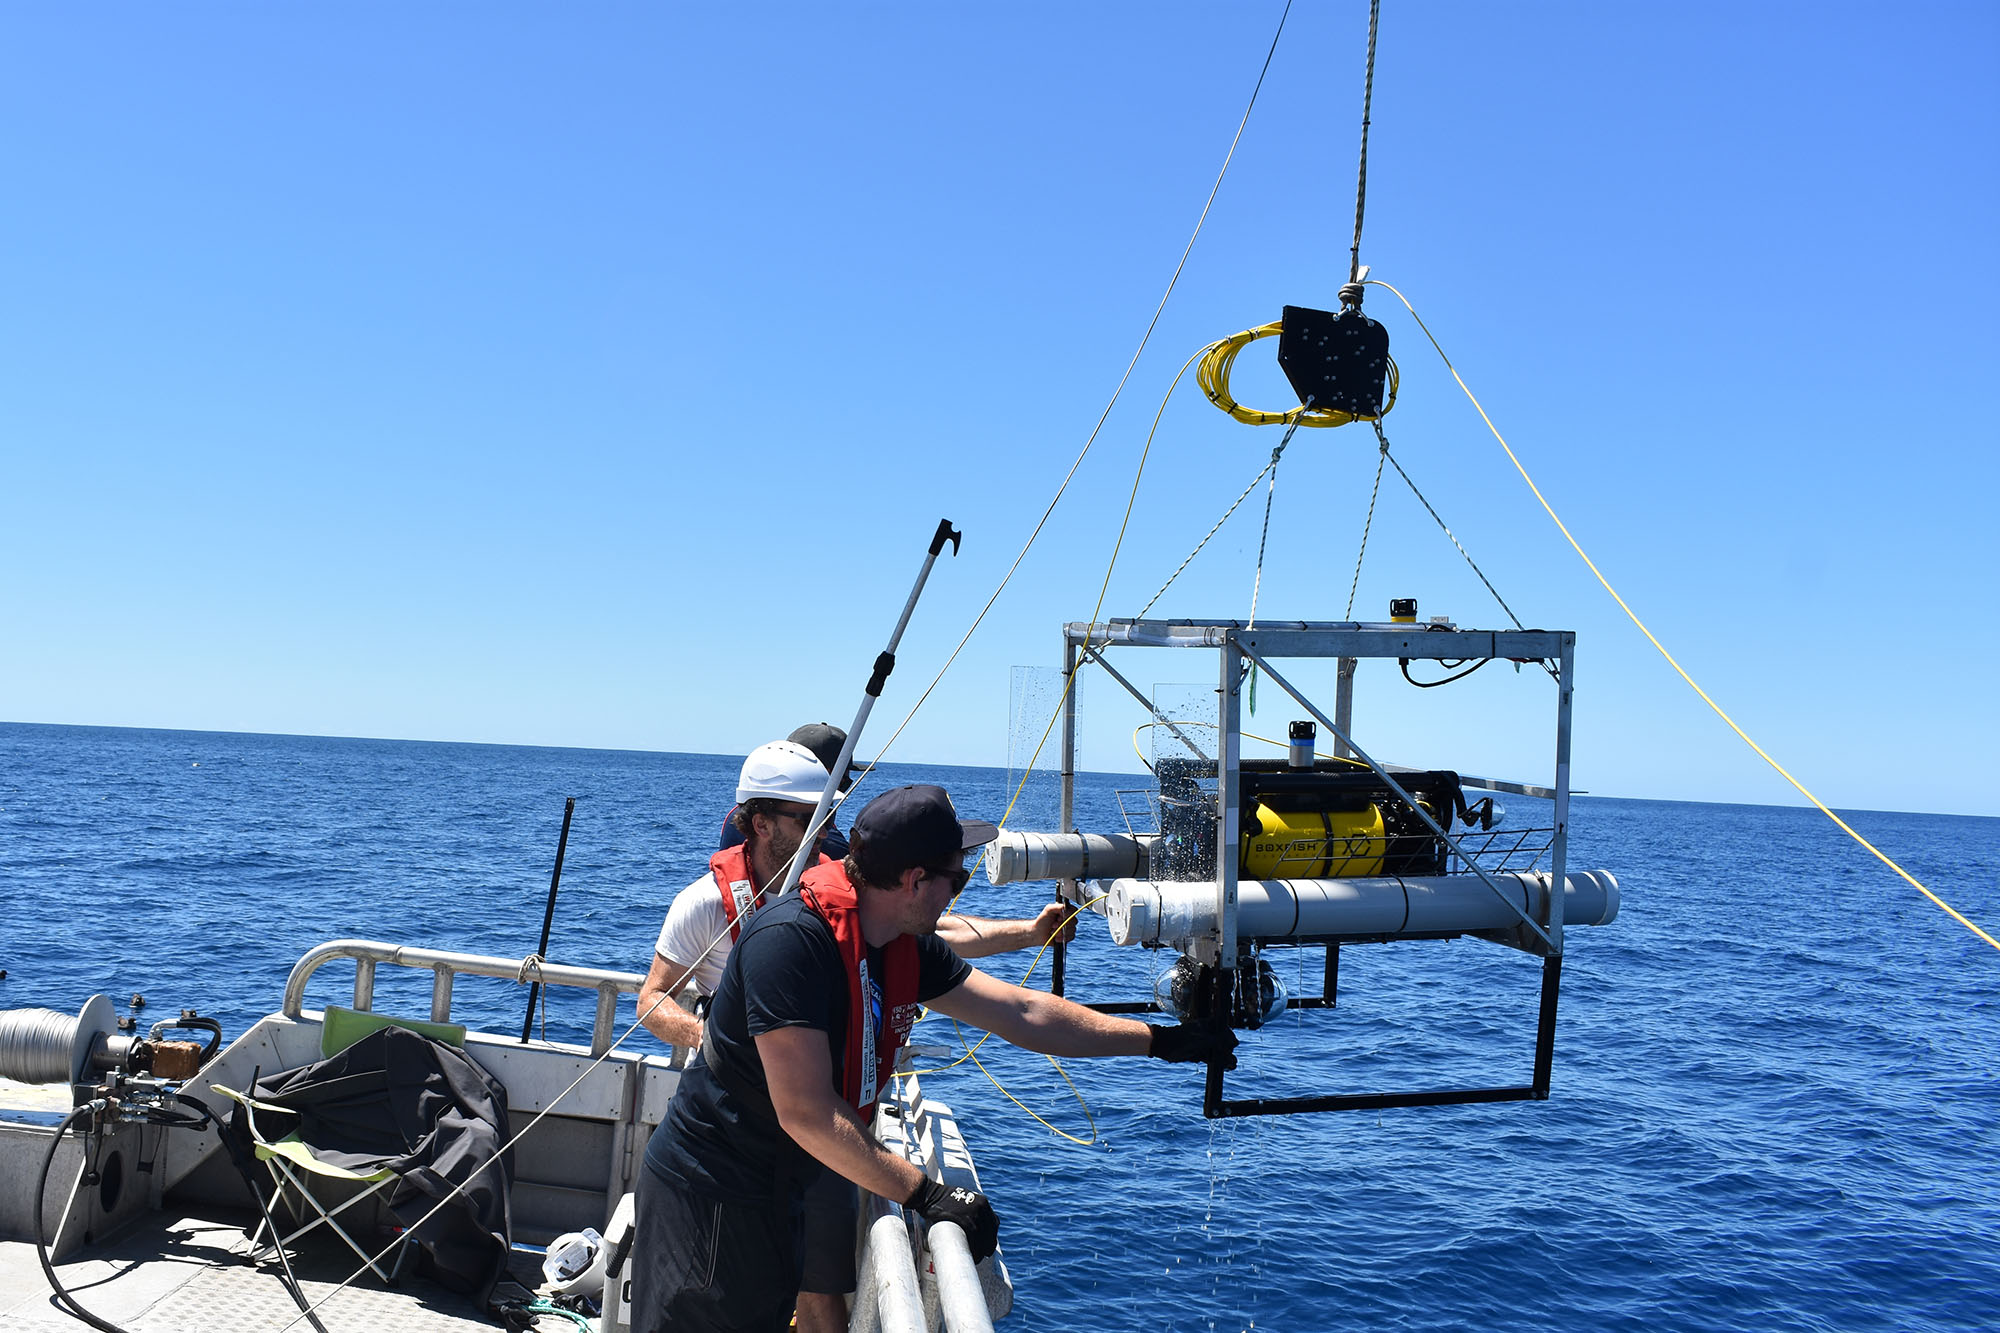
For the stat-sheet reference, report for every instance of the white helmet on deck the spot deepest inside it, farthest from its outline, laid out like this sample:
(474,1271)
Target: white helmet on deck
(782,771)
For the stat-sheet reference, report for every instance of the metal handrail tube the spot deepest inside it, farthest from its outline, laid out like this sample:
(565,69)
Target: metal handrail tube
(368,953)
(960,1296)
(886,1296)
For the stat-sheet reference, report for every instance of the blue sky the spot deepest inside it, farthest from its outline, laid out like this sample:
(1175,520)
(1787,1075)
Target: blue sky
(595,376)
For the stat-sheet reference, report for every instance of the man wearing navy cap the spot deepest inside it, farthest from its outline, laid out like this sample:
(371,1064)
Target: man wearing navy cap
(776,793)
(817,996)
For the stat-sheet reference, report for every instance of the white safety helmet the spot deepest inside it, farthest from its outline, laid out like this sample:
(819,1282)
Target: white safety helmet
(782,771)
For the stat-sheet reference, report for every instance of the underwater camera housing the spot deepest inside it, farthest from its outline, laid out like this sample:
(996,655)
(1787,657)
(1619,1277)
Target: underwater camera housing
(1334,819)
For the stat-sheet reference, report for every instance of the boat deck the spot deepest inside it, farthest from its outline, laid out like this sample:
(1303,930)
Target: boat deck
(189,1276)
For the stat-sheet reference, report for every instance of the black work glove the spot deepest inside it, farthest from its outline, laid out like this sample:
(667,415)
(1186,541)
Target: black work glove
(1195,1044)
(936,1202)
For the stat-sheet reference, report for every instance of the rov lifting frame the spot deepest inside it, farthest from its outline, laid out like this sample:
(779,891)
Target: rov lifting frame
(1238,646)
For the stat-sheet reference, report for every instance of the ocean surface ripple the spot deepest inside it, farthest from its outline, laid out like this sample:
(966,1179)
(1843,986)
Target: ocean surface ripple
(1775,1103)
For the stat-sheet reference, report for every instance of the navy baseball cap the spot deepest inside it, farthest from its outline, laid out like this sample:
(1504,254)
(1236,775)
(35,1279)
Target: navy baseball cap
(824,740)
(916,825)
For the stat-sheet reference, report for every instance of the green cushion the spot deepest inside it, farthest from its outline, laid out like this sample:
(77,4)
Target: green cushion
(343,1027)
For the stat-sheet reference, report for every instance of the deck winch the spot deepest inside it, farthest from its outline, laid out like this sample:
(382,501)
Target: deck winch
(45,1046)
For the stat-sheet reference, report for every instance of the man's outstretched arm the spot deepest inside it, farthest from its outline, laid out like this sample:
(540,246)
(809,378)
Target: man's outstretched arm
(982,937)
(1041,1022)
(1038,1021)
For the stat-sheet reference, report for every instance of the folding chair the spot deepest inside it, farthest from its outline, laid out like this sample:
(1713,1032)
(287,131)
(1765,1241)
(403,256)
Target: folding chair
(341,1028)
(286,1157)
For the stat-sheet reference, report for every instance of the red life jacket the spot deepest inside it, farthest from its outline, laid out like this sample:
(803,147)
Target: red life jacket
(738,887)
(869,1062)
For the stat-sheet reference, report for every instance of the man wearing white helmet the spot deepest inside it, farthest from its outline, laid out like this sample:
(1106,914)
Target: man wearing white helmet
(776,794)
(815,1001)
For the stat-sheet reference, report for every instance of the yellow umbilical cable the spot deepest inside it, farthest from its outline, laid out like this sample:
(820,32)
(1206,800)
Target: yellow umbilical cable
(1877,852)
(1219,357)
(971,1051)
(1027,770)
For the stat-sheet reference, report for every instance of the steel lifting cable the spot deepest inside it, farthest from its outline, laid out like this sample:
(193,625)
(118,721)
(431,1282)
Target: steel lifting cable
(1361,184)
(1679,670)
(1367,524)
(1205,540)
(1264,535)
(1219,357)
(1446,529)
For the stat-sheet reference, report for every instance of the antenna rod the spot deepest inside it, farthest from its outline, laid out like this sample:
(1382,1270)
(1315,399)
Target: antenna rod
(548,917)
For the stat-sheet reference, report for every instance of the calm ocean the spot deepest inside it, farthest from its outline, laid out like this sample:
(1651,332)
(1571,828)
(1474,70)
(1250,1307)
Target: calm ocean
(1775,1099)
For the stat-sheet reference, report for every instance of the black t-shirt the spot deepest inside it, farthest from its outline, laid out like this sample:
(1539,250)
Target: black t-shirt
(785,971)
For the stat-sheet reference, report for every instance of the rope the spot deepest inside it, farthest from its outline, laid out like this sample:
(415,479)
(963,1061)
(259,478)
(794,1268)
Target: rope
(1204,541)
(1028,770)
(1220,356)
(1361,187)
(1367,524)
(1447,529)
(971,1051)
(1143,341)
(1257,585)
(530,973)
(1633,616)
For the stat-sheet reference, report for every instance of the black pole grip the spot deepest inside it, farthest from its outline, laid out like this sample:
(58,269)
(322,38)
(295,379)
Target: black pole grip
(946,532)
(884,664)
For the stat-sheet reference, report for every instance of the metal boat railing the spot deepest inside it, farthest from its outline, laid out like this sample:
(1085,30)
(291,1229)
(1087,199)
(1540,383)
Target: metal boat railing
(445,966)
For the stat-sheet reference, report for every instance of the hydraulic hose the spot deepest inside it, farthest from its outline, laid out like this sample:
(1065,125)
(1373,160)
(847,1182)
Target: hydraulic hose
(202,1119)
(63,1298)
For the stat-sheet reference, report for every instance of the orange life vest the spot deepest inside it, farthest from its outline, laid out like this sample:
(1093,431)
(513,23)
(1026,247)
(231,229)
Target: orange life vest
(738,887)
(869,1061)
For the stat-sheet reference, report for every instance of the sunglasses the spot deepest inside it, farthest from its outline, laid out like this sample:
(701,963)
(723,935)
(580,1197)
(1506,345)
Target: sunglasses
(958,875)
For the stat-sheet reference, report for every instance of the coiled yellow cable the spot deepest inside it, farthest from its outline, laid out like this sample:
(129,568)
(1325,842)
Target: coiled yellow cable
(1213,375)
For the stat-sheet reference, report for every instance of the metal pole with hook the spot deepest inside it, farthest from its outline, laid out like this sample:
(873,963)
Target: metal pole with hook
(885,662)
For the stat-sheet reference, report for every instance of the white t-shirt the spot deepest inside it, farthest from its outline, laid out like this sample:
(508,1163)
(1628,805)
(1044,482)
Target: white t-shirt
(697,931)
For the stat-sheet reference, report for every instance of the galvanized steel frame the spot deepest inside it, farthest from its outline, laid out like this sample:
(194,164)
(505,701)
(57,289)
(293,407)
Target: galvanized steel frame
(1346,641)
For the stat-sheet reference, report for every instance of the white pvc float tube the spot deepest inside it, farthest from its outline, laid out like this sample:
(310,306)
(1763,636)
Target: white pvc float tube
(961,1298)
(1176,912)
(1016,857)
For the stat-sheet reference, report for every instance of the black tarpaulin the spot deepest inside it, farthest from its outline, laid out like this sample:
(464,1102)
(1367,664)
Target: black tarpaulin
(431,1115)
